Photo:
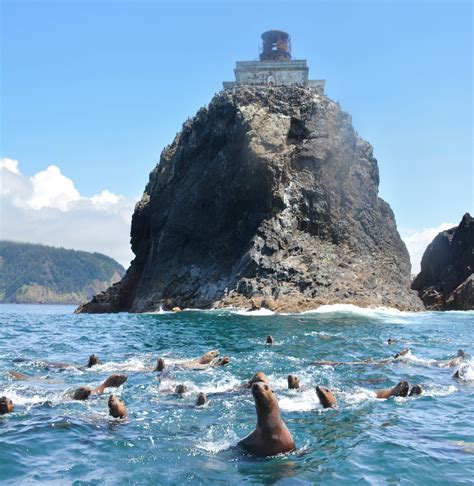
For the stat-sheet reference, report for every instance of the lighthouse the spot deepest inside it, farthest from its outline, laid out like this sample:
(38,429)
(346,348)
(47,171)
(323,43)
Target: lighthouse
(275,66)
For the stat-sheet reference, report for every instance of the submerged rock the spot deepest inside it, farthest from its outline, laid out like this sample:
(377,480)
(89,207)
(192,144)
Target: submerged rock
(445,281)
(267,197)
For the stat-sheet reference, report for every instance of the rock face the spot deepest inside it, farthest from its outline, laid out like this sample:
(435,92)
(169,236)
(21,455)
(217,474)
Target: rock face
(446,278)
(266,197)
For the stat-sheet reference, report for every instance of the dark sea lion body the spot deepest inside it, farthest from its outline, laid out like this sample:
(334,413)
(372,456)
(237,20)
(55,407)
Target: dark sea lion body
(160,365)
(6,406)
(326,397)
(81,393)
(270,339)
(117,408)
(271,436)
(180,390)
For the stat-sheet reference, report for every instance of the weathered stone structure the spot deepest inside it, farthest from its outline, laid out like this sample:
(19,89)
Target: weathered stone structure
(275,67)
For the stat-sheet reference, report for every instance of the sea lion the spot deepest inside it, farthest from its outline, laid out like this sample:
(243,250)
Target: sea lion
(205,359)
(116,407)
(415,390)
(221,361)
(201,399)
(400,390)
(403,352)
(326,397)
(271,436)
(293,382)
(6,405)
(180,389)
(93,360)
(18,376)
(451,363)
(391,341)
(270,339)
(160,365)
(460,373)
(83,392)
(208,357)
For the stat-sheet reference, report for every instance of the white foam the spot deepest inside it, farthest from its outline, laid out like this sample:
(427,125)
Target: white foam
(221,443)
(131,364)
(253,313)
(354,309)
(299,401)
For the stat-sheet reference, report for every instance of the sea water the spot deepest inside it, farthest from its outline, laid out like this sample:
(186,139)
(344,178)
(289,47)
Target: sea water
(50,439)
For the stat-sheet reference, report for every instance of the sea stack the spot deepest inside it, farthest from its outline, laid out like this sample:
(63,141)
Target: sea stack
(266,196)
(445,281)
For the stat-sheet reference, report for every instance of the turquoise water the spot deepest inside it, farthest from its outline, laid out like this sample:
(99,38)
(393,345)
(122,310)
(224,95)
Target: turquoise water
(166,440)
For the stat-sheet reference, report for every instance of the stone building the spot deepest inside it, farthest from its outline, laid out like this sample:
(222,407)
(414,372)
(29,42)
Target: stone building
(275,67)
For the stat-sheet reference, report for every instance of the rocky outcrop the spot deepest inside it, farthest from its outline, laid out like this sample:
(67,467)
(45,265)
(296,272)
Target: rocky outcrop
(266,197)
(446,278)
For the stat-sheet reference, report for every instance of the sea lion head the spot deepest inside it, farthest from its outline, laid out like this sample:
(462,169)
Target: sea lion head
(201,399)
(461,354)
(93,360)
(416,390)
(391,341)
(81,393)
(326,397)
(209,356)
(6,405)
(258,377)
(401,389)
(180,389)
(263,395)
(293,382)
(116,407)
(160,365)
(115,381)
(270,339)
(223,361)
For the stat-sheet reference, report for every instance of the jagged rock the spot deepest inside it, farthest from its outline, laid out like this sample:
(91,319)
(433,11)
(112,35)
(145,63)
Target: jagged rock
(446,278)
(267,197)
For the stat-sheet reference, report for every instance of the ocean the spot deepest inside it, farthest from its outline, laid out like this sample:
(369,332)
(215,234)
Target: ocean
(51,439)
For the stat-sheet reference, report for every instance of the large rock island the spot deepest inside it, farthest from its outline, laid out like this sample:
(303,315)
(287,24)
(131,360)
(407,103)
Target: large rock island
(266,197)
(446,278)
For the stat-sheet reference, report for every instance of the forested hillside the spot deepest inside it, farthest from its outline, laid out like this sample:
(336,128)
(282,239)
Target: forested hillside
(32,273)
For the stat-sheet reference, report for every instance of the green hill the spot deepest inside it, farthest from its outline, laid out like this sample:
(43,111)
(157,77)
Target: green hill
(32,273)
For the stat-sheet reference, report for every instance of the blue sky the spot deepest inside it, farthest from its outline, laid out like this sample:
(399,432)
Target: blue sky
(99,88)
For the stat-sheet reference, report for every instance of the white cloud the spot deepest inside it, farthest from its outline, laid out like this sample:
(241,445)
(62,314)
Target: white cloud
(47,208)
(417,240)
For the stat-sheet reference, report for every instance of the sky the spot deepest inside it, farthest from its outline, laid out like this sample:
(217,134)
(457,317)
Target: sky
(91,92)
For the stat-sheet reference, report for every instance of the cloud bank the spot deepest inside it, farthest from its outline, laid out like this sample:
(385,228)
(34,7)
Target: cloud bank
(47,208)
(417,240)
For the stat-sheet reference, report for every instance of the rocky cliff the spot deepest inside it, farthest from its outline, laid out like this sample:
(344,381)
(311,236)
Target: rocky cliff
(266,197)
(446,278)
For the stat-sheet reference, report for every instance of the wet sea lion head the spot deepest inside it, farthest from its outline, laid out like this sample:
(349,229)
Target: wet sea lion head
(180,389)
(209,356)
(114,381)
(263,395)
(258,377)
(223,361)
(461,353)
(201,399)
(81,393)
(93,360)
(116,407)
(416,390)
(6,405)
(326,397)
(160,365)
(293,382)
(401,389)
(270,339)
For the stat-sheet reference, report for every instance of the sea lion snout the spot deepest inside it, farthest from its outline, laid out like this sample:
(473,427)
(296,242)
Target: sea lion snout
(260,390)
(93,360)
(6,405)
(258,377)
